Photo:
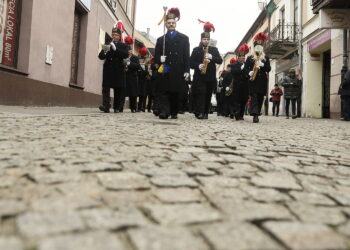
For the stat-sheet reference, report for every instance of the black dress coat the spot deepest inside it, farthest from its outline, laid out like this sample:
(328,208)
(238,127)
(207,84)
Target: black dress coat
(177,51)
(240,91)
(260,84)
(143,78)
(132,77)
(113,67)
(344,89)
(197,59)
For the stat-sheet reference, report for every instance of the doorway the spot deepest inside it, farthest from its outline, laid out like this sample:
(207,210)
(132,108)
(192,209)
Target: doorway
(326,80)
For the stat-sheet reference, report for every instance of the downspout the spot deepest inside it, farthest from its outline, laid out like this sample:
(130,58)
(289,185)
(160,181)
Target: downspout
(300,52)
(345,64)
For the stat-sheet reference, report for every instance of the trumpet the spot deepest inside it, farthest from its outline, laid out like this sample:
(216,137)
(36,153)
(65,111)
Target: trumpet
(206,61)
(230,90)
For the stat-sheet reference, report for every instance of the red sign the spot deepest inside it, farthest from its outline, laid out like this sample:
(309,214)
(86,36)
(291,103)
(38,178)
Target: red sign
(8,31)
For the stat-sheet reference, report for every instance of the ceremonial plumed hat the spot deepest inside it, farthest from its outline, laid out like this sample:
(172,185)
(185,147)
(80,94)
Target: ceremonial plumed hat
(243,50)
(173,13)
(118,28)
(260,39)
(207,27)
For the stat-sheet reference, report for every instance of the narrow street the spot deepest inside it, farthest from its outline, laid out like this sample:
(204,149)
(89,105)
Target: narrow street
(74,179)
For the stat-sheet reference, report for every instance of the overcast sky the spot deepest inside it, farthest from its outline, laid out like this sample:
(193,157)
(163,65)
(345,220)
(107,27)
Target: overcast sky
(231,18)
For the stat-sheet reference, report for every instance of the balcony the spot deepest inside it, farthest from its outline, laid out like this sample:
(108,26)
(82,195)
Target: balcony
(329,4)
(283,40)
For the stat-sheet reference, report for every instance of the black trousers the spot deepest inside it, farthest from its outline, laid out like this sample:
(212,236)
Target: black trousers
(239,108)
(142,102)
(203,96)
(346,107)
(132,102)
(119,95)
(150,101)
(257,102)
(294,101)
(276,107)
(169,103)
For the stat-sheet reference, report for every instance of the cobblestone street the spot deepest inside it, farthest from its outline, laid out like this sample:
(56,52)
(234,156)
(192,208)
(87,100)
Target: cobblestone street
(76,179)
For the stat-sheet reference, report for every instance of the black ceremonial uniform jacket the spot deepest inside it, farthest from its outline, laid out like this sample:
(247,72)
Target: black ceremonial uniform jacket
(177,52)
(260,84)
(132,81)
(197,59)
(113,67)
(240,91)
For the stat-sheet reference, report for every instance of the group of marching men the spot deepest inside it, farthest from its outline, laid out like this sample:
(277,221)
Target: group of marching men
(167,75)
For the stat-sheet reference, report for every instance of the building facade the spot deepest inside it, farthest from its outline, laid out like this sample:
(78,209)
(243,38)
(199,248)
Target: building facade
(54,47)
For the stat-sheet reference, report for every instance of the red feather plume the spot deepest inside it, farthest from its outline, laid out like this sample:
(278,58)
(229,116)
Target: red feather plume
(233,60)
(120,26)
(143,51)
(128,40)
(175,11)
(244,49)
(260,36)
(208,26)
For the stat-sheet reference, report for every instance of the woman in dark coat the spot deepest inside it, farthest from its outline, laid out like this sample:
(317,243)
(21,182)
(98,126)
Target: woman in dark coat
(113,71)
(131,70)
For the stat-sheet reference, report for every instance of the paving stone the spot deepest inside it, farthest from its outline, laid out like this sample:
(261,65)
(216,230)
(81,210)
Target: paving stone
(345,229)
(236,173)
(101,167)
(11,207)
(265,194)
(87,241)
(234,159)
(123,181)
(316,214)
(181,214)
(251,211)
(341,197)
(40,224)
(182,157)
(161,238)
(178,195)
(209,158)
(126,198)
(10,243)
(198,171)
(312,198)
(224,236)
(173,181)
(225,182)
(8,181)
(276,180)
(298,235)
(54,178)
(208,165)
(215,193)
(113,220)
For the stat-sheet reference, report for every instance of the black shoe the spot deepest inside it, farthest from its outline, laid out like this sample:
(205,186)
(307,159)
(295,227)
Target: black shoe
(116,111)
(256,119)
(133,111)
(287,117)
(200,116)
(156,112)
(277,115)
(121,110)
(232,116)
(241,118)
(173,117)
(237,117)
(149,110)
(205,116)
(294,117)
(104,109)
(143,110)
(163,116)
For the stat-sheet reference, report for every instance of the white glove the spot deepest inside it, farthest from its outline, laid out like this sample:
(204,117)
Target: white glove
(201,66)
(209,56)
(113,46)
(143,66)
(261,64)
(251,73)
(187,76)
(128,63)
(227,88)
(162,59)
(242,67)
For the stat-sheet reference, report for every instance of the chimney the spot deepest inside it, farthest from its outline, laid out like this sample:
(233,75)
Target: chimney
(147,35)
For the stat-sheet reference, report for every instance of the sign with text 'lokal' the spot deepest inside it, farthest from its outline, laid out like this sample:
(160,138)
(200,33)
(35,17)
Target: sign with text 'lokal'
(8,31)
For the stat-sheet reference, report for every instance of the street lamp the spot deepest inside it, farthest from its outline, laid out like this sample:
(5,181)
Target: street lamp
(262,4)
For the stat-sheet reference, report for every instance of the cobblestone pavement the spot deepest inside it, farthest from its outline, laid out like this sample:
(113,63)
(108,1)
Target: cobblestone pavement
(74,179)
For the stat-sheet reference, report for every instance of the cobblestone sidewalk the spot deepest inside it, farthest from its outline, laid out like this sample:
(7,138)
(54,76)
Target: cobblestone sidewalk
(75,179)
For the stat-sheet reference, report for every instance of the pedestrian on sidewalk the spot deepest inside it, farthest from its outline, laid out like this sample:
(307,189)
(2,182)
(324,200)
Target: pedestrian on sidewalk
(292,91)
(276,94)
(172,58)
(204,59)
(113,69)
(344,92)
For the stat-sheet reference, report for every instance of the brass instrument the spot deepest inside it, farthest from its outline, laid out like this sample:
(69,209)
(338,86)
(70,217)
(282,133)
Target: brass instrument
(206,61)
(229,92)
(255,69)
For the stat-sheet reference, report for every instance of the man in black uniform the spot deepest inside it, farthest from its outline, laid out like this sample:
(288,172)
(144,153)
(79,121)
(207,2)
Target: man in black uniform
(113,71)
(203,60)
(225,84)
(173,65)
(240,91)
(257,68)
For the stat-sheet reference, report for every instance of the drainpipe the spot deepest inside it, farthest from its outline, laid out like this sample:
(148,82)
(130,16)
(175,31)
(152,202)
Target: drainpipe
(300,52)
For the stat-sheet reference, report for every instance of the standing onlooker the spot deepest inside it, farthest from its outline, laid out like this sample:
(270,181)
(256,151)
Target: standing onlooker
(292,90)
(344,92)
(276,94)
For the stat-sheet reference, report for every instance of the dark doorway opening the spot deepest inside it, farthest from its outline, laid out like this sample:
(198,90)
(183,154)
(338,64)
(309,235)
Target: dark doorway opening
(326,83)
